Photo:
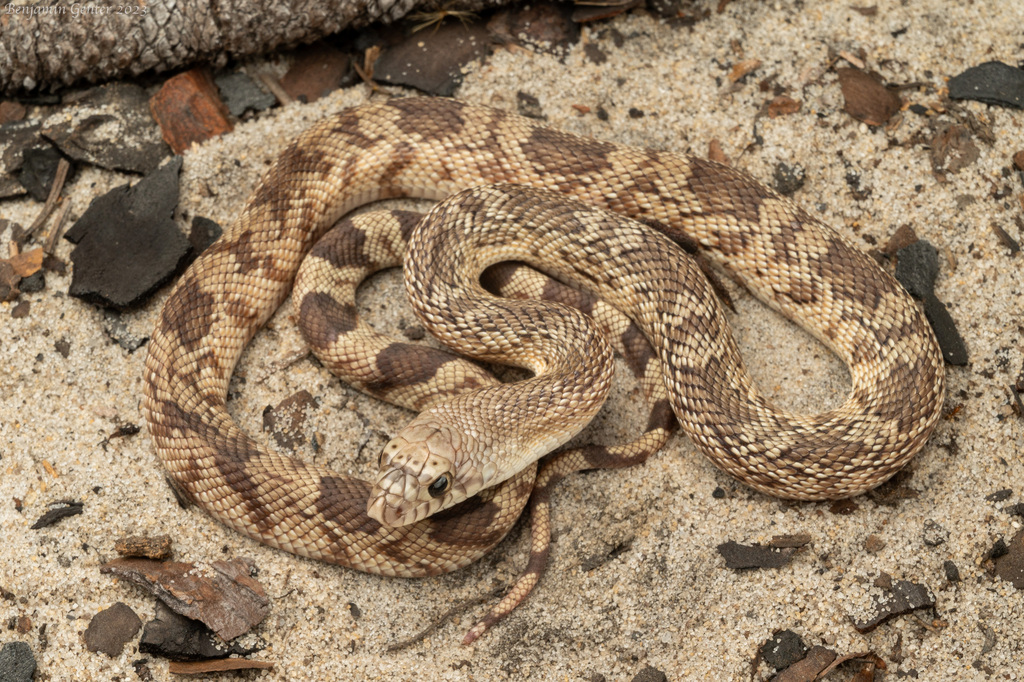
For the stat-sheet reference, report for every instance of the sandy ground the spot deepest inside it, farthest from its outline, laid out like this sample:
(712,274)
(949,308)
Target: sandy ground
(665,599)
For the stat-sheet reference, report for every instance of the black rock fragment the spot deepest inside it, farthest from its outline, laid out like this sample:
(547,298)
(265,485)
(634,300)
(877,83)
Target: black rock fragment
(529,106)
(63,346)
(739,556)
(788,179)
(57,511)
(33,283)
(178,638)
(116,130)
(992,83)
(242,94)
(951,571)
(16,138)
(38,169)
(17,664)
(204,232)
(934,534)
(1010,566)
(999,495)
(783,649)
(118,332)
(650,674)
(997,550)
(903,597)
(916,268)
(110,629)
(432,61)
(127,245)
(543,27)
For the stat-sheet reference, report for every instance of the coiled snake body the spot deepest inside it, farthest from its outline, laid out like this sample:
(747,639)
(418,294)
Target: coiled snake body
(432,148)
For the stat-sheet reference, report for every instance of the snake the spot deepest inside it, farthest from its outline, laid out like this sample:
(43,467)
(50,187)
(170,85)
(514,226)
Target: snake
(628,211)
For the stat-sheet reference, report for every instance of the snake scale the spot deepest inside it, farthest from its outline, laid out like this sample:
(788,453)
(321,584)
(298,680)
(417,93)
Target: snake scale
(434,148)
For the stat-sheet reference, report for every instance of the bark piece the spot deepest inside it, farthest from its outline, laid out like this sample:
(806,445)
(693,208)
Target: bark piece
(146,547)
(188,110)
(58,511)
(807,668)
(866,98)
(226,599)
(126,243)
(903,597)
(739,556)
(952,149)
(112,128)
(992,83)
(17,664)
(216,666)
(110,629)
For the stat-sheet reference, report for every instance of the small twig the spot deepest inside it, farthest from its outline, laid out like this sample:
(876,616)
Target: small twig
(58,228)
(444,618)
(366,70)
(51,201)
(275,88)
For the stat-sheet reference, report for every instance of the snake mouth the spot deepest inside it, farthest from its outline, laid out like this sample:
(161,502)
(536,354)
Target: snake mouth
(394,500)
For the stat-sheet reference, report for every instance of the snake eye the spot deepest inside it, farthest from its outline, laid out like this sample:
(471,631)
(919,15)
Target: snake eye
(440,486)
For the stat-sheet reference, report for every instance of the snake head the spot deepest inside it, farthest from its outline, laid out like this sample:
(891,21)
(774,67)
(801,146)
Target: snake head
(418,475)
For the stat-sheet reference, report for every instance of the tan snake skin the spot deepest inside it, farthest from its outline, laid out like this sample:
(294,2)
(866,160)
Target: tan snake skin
(415,376)
(432,148)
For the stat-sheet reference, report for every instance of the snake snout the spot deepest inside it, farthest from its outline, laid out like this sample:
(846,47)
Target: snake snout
(393,500)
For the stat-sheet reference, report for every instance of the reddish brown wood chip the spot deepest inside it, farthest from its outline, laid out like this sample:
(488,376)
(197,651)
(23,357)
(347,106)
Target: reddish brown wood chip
(27,263)
(783,106)
(794,540)
(741,69)
(11,111)
(715,152)
(901,238)
(188,109)
(316,71)
(866,98)
(227,599)
(217,665)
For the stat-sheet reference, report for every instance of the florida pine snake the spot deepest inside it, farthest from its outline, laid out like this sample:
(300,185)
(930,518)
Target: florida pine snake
(432,148)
